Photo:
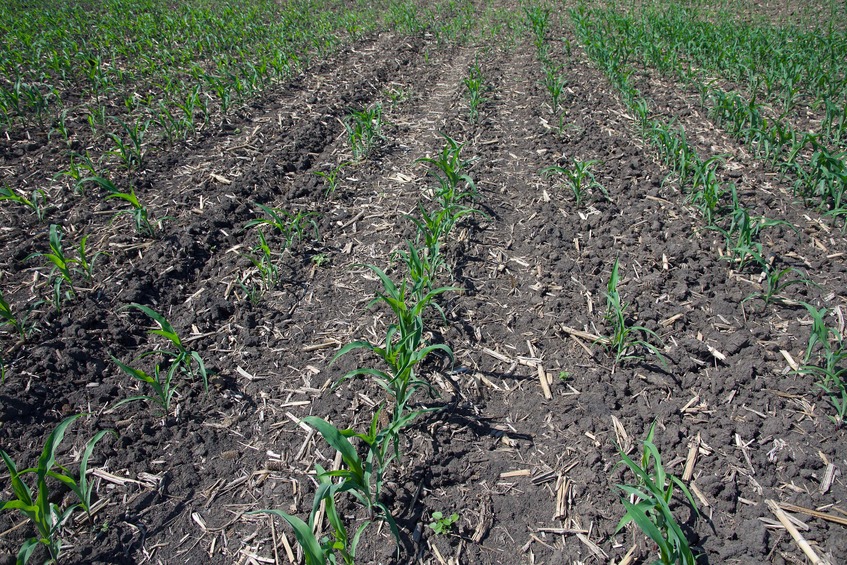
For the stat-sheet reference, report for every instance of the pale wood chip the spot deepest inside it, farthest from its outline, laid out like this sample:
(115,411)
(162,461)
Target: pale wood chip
(828,478)
(517,473)
(545,386)
(691,460)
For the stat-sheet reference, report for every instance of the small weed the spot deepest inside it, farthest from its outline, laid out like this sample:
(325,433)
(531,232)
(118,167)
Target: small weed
(442,524)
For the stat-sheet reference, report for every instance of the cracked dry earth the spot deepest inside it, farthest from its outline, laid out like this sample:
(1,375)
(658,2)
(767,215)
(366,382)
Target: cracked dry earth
(530,469)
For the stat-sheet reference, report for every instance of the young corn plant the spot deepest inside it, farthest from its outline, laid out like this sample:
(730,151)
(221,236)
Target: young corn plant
(828,345)
(361,478)
(707,192)
(555,82)
(8,318)
(130,151)
(331,178)
(474,84)
(403,348)
(448,168)
(647,503)
(776,280)
(266,267)
(178,360)
(423,264)
(624,340)
(538,19)
(579,178)
(293,226)
(48,517)
(741,238)
(137,211)
(364,130)
(38,202)
(62,267)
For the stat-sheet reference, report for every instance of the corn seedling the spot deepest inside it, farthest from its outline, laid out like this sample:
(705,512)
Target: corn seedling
(84,262)
(742,245)
(537,18)
(130,151)
(47,517)
(264,263)
(423,264)
(448,168)
(178,359)
(364,130)
(62,268)
(326,550)
(555,82)
(831,365)
(8,318)
(624,339)
(403,347)
(474,84)
(292,226)
(579,178)
(706,191)
(777,280)
(138,212)
(161,381)
(647,504)
(38,202)
(331,178)
(361,478)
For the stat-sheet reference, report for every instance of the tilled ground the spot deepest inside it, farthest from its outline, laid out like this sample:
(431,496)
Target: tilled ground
(532,478)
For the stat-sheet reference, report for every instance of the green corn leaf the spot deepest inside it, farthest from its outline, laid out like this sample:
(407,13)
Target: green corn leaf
(647,526)
(312,549)
(27,549)
(166,329)
(337,440)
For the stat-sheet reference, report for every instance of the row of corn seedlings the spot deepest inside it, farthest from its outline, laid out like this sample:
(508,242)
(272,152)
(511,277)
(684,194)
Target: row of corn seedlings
(722,211)
(163,371)
(400,355)
(786,64)
(33,495)
(183,68)
(819,170)
(649,495)
(555,81)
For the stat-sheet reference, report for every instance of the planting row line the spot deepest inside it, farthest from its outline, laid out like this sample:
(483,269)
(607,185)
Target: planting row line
(722,211)
(820,172)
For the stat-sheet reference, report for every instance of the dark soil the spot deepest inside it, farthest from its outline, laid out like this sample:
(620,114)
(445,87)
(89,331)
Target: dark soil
(497,453)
